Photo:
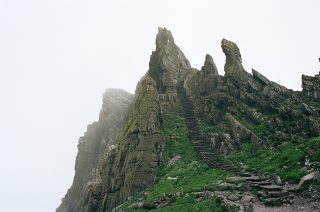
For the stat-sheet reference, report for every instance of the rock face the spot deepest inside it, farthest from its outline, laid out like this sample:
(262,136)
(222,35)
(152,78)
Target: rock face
(239,106)
(233,66)
(119,154)
(124,162)
(167,66)
(311,86)
(209,66)
(96,144)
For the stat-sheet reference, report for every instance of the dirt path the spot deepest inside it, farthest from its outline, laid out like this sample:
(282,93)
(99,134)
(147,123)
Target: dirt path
(299,204)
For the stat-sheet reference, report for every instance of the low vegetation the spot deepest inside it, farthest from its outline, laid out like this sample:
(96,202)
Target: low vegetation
(290,160)
(187,176)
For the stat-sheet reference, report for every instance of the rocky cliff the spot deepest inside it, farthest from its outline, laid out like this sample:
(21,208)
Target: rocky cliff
(311,86)
(96,145)
(120,155)
(128,162)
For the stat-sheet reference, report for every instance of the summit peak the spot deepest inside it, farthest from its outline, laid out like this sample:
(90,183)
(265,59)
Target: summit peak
(164,37)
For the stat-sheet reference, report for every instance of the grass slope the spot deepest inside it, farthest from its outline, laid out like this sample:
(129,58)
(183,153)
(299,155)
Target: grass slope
(192,175)
(286,160)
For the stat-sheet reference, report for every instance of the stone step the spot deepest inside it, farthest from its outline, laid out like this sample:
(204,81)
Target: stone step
(206,153)
(253,178)
(277,193)
(272,187)
(201,149)
(261,183)
(276,201)
(245,174)
(197,143)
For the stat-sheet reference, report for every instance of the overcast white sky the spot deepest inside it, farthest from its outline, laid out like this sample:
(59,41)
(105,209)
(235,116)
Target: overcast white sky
(57,57)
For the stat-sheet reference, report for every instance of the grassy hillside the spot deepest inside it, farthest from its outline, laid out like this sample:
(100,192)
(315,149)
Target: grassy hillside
(178,185)
(287,160)
(189,175)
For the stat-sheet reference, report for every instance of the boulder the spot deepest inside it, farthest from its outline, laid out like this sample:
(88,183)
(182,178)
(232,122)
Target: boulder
(277,180)
(173,160)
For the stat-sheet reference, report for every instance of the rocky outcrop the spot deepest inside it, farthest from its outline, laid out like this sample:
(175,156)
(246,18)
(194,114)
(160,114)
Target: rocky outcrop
(252,99)
(167,66)
(209,66)
(97,142)
(140,149)
(241,133)
(130,155)
(311,86)
(233,66)
(260,77)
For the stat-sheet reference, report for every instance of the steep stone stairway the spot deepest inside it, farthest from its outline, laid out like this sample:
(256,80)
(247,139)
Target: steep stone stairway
(199,142)
(268,190)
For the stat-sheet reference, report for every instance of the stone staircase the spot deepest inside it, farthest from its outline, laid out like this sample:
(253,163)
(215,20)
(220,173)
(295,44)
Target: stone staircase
(266,189)
(199,142)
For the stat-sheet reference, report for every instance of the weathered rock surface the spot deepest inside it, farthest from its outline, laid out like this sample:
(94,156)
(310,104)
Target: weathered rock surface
(313,176)
(233,66)
(167,66)
(119,154)
(311,86)
(127,164)
(209,66)
(95,145)
(240,105)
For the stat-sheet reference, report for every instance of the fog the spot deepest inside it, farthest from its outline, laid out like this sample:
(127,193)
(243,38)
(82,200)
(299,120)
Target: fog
(57,58)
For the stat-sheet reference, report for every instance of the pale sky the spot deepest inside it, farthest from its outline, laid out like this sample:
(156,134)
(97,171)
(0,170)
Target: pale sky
(57,58)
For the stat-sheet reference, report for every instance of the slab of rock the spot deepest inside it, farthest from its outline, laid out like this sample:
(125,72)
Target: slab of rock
(227,186)
(172,178)
(260,77)
(253,178)
(309,177)
(277,193)
(271,187)
(173,160)
(235,179)
(240,132)
(234,197)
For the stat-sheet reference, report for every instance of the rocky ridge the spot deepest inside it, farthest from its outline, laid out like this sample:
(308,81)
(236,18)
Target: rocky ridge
(120,154)
(96,145)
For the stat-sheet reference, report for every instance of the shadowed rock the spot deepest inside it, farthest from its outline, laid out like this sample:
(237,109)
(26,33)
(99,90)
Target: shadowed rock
(209,66)
(311,86)
(233,66)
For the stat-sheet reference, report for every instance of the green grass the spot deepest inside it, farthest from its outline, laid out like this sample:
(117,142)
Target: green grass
(284,161)
(192,175)
(190,204)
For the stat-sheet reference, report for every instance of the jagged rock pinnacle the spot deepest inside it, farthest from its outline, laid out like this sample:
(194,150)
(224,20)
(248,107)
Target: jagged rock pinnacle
(209,66)
(164,37)
(231,50)
(233,66)
(167,64)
